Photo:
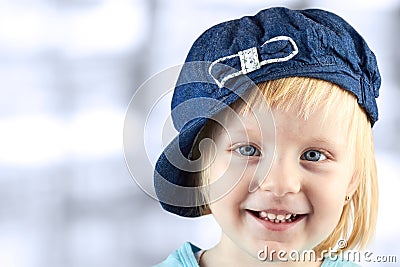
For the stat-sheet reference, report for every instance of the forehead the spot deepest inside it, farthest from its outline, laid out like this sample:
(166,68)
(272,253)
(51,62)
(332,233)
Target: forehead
(324,124)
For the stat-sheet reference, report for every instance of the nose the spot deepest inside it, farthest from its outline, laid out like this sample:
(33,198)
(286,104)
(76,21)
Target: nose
(284,176)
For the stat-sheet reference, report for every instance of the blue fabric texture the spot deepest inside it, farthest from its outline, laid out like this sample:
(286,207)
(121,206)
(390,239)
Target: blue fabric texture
(231,57)
(184,257)
(338,263)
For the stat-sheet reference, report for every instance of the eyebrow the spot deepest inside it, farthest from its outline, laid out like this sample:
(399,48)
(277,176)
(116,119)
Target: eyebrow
(325,141)
(251,132)
(242,132)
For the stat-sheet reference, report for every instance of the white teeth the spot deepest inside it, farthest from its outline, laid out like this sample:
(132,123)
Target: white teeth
(276,218)
(280,217)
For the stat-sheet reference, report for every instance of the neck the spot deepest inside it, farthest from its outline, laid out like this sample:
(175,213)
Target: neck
(227,253)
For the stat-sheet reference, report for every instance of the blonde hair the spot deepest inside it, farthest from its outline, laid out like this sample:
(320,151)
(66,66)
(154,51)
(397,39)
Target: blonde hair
(358,218)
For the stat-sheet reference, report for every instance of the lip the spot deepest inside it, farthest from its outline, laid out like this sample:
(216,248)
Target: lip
(276,227)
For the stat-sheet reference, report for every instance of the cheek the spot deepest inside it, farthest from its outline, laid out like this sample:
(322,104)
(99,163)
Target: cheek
(328,204)
(229,192)
(229,179)
(226,210)
(327,200)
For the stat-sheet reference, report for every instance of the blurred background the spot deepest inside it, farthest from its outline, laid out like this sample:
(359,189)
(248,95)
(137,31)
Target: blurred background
(68,70)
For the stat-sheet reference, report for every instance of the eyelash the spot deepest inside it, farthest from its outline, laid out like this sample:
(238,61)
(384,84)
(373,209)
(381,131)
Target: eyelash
(321,154)
(257,152)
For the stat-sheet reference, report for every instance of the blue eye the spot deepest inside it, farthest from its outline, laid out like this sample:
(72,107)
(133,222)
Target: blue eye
(313,155)
(248,151)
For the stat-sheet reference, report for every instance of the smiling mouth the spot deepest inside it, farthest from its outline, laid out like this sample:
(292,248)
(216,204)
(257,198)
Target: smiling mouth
(277,218)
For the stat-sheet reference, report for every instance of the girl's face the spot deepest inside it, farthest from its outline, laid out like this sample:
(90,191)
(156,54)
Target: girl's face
(293,185)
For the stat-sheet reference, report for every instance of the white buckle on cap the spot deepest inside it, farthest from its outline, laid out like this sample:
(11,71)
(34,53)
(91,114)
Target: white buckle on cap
(249,59)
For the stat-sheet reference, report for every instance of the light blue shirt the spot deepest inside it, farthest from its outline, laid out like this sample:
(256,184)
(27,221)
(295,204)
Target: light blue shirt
(184,257)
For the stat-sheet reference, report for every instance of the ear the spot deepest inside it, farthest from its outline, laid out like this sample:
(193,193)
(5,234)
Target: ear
(353,185)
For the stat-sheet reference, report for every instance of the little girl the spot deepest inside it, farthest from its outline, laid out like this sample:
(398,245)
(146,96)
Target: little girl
(274,114)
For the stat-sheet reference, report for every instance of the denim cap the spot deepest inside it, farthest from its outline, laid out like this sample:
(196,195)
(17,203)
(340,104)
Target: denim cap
(235,55)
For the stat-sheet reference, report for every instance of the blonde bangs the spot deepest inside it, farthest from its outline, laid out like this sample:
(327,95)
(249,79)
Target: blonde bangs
(305,95)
